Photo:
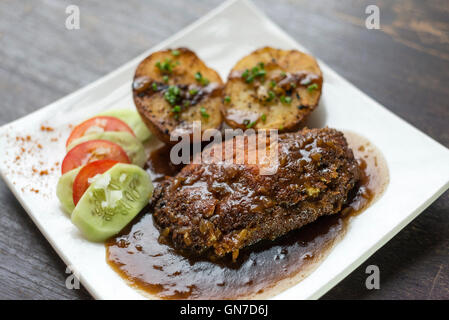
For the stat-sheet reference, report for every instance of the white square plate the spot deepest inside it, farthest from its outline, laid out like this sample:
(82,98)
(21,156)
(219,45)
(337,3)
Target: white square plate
(419,166)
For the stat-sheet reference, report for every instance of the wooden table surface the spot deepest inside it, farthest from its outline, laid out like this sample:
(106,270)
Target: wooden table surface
(404,66)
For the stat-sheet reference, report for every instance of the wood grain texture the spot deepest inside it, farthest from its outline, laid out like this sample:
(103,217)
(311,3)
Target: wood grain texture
(403,65)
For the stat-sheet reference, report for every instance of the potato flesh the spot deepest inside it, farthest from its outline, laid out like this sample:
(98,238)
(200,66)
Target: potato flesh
(248,106)
(158,113)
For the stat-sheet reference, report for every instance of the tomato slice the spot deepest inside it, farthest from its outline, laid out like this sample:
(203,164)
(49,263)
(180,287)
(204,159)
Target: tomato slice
(98,124)
(93,150)
(81,182)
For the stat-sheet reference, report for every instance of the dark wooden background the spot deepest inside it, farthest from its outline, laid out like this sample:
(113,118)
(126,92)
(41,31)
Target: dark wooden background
(404,65)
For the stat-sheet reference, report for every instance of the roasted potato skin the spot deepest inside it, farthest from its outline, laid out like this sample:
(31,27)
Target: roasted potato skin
(154,108)
(247,105)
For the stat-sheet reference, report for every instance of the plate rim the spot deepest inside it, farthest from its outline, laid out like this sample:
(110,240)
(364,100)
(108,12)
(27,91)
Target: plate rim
(115,74)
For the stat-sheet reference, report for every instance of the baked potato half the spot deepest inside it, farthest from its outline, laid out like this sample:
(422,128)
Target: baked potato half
(272,89)
(174,88)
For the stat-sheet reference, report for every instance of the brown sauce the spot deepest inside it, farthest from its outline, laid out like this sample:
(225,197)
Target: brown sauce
(261,270)
(159,165)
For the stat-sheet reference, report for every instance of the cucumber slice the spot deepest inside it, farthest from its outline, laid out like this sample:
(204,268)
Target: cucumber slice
(112,201)
(132,146)
(132,119)
(64,190)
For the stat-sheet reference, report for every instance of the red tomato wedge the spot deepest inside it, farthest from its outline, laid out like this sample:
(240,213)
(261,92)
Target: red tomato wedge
(98,124)
(93,150)
(81,182)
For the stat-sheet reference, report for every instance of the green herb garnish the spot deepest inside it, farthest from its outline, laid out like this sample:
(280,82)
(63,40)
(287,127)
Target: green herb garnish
(261,73)
(273,83)
(263,117)
(165,78)
(286,100)
(271,95)
(312,87)
(154,86)
(193,92)
(172,95)
(166,66)
(256,72)
(204,113)
(249,79)
(227,99)
(176,109)
(175,53)
(199,77)
(250,125)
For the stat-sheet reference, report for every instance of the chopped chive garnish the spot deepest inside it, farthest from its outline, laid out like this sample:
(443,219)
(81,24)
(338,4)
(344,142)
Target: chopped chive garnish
(199,77)
(165,78)
(273,83)
(175,53)
(227,99)
(263,117)
(250,125)
(166,66)
(312,87)
(177,109)
(204,113)
(286,100)
(256,72)
(154,86)
(193,92)
(283,74)
(172,95)
(271,95)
